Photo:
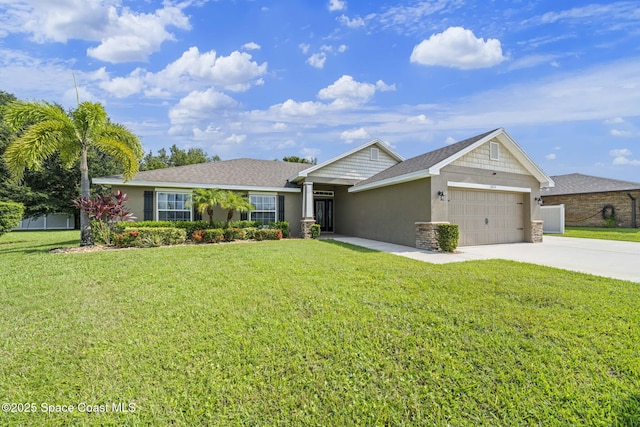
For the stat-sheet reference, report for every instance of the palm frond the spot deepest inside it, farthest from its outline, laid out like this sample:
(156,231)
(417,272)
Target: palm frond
(20,114)
(90,119)
(123,146)
(37,143)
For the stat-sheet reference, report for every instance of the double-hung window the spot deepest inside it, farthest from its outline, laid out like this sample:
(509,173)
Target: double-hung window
(264,208)
(174,206)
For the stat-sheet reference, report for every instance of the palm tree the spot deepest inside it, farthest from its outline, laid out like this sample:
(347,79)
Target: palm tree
(234,202)
(205,200)
(45,129)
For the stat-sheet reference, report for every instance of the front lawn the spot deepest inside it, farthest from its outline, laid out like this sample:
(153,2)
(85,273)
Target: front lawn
(308,333)
(625,234)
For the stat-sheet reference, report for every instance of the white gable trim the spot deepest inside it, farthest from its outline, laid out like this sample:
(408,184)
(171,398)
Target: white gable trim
(380,144)
(472,186)
(113,181)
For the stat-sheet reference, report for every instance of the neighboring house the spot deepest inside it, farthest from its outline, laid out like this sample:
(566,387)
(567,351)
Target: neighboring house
(486,184)
(590,200)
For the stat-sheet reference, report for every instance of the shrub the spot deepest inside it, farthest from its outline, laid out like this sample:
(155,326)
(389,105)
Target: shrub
(267,234)
(212,235)
(10,216)
(448,235)
(249,233)
(151,224)
(315,231)
(282,226)
(150,236)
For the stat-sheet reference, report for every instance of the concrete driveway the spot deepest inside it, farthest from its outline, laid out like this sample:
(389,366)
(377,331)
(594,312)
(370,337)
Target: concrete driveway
(608,258)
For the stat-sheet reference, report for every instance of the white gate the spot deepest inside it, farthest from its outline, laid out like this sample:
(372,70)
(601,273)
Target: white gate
(553,217)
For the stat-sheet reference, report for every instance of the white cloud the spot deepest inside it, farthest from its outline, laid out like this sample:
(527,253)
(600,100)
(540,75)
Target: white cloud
(356,22)
(383,87)
(615,120)
(293,108)
(337,5)
(198,106)
(317,60)
(457,47)
(450,140)
(620,133)
(236,139)
(251,46)
(533,61)
(624,161)
(550,156)
(280,126)
(420,119)
(620,152)
(345,90)
(350,135)
(342,48)
(304,47)
(193,71)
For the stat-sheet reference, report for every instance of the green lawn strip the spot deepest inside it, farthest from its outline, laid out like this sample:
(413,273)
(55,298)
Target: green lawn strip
(312,333)
(624,234)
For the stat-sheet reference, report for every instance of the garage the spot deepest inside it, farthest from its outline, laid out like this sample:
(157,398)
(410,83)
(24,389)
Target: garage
(487,217)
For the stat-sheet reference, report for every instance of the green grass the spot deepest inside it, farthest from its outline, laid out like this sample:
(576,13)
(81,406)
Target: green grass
(310,333)
(625,234)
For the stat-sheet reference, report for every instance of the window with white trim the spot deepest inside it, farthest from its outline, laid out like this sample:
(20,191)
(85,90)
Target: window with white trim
(174,206)
(494,151)
(264,208)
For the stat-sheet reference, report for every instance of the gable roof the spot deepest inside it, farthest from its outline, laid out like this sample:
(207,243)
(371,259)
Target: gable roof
(431,163)
(304,173)
(237,174)
(576,183)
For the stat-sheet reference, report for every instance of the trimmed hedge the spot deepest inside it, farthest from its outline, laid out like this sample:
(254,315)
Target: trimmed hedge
(448,235)
(315,231)
(190,226)
(10,216)
(144,237)
(217,235)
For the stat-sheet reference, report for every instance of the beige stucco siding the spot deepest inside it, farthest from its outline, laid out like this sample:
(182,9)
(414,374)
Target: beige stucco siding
(387,214)
(480,159)
(135,199)
(356,166)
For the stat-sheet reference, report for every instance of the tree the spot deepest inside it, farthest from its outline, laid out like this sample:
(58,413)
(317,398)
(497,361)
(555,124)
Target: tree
(205,200)
(178,157)
(231,202)
(45,129)
(296,159)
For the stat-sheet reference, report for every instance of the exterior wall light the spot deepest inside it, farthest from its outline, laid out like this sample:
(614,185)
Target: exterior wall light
(538,200)
(441,195)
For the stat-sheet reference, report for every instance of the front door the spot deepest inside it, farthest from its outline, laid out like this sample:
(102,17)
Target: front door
(323,211)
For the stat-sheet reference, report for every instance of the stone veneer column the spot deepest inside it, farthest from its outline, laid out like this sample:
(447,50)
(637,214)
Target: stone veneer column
(305,227)
(427,235)
(536,231)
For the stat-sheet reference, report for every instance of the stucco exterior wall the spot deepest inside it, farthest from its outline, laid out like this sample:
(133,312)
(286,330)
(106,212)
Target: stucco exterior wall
(135,200)
(387,214)
(585,210)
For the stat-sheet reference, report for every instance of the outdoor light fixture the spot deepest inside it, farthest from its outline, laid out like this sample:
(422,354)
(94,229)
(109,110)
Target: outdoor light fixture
(539,200)
(441,195)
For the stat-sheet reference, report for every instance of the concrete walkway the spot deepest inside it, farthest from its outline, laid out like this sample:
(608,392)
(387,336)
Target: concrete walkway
(608,258)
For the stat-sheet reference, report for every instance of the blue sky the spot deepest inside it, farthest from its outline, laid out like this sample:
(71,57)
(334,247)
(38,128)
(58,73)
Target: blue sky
(265,79)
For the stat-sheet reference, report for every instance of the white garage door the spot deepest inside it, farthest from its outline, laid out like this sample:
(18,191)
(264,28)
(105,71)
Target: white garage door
(487,217)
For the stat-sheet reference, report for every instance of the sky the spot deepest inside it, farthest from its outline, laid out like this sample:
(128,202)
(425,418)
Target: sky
(316,78)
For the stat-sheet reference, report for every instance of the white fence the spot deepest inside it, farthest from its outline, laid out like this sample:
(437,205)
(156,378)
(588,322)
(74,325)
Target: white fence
(48,222)
(553,217)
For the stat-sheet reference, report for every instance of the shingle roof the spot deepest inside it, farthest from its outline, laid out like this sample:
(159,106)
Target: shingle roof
(576,183)
(239,172)
(424,161)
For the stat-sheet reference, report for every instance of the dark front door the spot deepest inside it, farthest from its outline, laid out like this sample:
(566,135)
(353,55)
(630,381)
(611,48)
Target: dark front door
(323,211)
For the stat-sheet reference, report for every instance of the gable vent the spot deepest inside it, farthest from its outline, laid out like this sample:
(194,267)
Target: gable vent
(375,154)
(494,151)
